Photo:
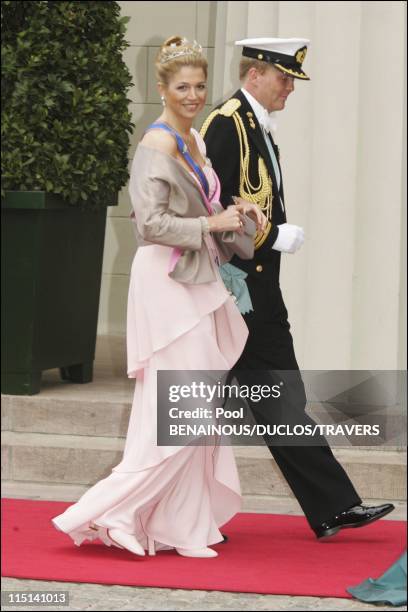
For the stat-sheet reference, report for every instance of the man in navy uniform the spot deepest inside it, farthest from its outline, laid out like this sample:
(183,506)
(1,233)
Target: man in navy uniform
(238,136)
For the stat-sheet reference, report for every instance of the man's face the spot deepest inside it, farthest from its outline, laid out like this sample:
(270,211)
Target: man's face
(273,87)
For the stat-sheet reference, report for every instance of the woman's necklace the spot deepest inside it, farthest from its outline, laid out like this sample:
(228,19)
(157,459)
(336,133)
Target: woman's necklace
(188,142)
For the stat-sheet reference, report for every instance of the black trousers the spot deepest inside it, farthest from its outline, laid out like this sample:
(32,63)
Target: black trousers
(318,481)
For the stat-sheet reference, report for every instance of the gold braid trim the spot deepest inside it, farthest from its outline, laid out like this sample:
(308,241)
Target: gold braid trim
(261,193)
(260,237)
(207,122)
(295,73)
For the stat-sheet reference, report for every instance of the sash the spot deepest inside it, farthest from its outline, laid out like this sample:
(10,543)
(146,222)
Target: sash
(182,147)
(203,184)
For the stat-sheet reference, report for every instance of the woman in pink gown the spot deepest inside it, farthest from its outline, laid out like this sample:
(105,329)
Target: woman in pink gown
(161,497)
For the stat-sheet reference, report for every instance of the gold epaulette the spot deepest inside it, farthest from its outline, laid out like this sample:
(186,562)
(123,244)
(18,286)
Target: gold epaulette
(230,107)
(227,110)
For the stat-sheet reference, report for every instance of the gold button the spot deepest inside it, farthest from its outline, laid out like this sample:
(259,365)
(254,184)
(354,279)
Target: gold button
(260,56)
(259,268)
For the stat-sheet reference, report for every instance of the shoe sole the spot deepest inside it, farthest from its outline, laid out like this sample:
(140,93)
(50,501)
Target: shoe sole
(331,532)
(328,534)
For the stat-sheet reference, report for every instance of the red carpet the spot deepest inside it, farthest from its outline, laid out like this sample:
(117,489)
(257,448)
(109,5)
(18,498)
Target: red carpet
(266,553)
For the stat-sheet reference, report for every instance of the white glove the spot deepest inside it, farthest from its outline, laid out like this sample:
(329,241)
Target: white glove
(290,238)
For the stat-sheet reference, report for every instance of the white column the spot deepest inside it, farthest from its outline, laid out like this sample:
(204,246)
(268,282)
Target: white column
(402,349)
(379,197)
(328,334)
(263,19)
(343,159)
(231,26)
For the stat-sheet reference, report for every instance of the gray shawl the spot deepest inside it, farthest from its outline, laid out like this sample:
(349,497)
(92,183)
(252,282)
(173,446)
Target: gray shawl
(167,204)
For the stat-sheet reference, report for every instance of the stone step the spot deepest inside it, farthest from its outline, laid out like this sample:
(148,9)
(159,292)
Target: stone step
(83,460)
(96,415)
(102,410)
(72,435)
(266,504)
(375,474)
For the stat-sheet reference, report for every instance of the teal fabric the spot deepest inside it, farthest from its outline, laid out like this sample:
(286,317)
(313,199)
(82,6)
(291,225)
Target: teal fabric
(390,588)
(234,280)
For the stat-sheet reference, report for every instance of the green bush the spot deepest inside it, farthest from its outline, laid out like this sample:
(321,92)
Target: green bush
(65,119)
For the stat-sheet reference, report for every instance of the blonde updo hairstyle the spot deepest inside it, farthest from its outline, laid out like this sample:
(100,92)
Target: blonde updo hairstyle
(186,54)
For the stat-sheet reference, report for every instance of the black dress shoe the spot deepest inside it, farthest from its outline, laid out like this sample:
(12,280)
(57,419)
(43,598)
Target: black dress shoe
(357,516)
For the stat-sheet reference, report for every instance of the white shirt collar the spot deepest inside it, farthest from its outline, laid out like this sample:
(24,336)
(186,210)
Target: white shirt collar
(266,120)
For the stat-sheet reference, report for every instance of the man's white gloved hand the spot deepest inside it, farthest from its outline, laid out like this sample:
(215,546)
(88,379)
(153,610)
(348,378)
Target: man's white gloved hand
(290,238)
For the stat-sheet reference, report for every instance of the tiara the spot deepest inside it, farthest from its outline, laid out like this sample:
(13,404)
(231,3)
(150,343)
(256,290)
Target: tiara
(189,49)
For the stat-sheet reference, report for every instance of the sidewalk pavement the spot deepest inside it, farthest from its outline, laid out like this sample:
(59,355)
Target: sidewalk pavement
(103,597)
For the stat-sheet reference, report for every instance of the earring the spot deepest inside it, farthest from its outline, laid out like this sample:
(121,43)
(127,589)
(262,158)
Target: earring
(163,99)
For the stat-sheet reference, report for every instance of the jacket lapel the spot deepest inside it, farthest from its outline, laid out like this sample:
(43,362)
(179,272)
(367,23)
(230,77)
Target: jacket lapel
(255,133)
(275,148)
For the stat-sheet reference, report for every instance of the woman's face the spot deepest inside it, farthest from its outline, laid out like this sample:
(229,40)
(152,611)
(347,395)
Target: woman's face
(186,92)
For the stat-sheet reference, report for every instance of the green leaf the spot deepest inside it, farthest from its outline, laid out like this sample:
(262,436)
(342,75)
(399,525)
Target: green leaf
(65,120)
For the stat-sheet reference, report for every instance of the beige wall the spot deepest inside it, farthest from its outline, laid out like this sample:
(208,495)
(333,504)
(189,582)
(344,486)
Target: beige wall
(342,147)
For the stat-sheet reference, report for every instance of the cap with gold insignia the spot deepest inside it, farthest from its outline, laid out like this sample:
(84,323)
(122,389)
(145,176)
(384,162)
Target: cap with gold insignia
(286,54)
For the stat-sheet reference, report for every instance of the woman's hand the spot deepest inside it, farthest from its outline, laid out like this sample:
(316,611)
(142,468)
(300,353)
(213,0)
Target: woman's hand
(229,220)
(253,211)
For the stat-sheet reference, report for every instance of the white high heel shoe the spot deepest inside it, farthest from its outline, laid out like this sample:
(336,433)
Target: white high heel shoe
(56,526)
(197,552)
(121,539)
(184,552)
(151,547)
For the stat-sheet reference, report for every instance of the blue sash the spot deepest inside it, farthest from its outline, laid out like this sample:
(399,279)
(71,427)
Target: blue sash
(182,147)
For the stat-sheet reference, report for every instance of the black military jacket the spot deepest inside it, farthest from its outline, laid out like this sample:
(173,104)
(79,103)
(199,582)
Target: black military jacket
(240,157)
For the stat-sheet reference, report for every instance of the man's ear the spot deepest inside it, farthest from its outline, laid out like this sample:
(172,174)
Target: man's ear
(252,74)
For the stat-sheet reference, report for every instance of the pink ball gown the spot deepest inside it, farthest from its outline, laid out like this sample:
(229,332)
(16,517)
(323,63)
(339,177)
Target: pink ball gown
(176,496)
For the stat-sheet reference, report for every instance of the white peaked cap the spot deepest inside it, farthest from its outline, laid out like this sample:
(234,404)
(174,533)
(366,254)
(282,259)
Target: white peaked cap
(286,54)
